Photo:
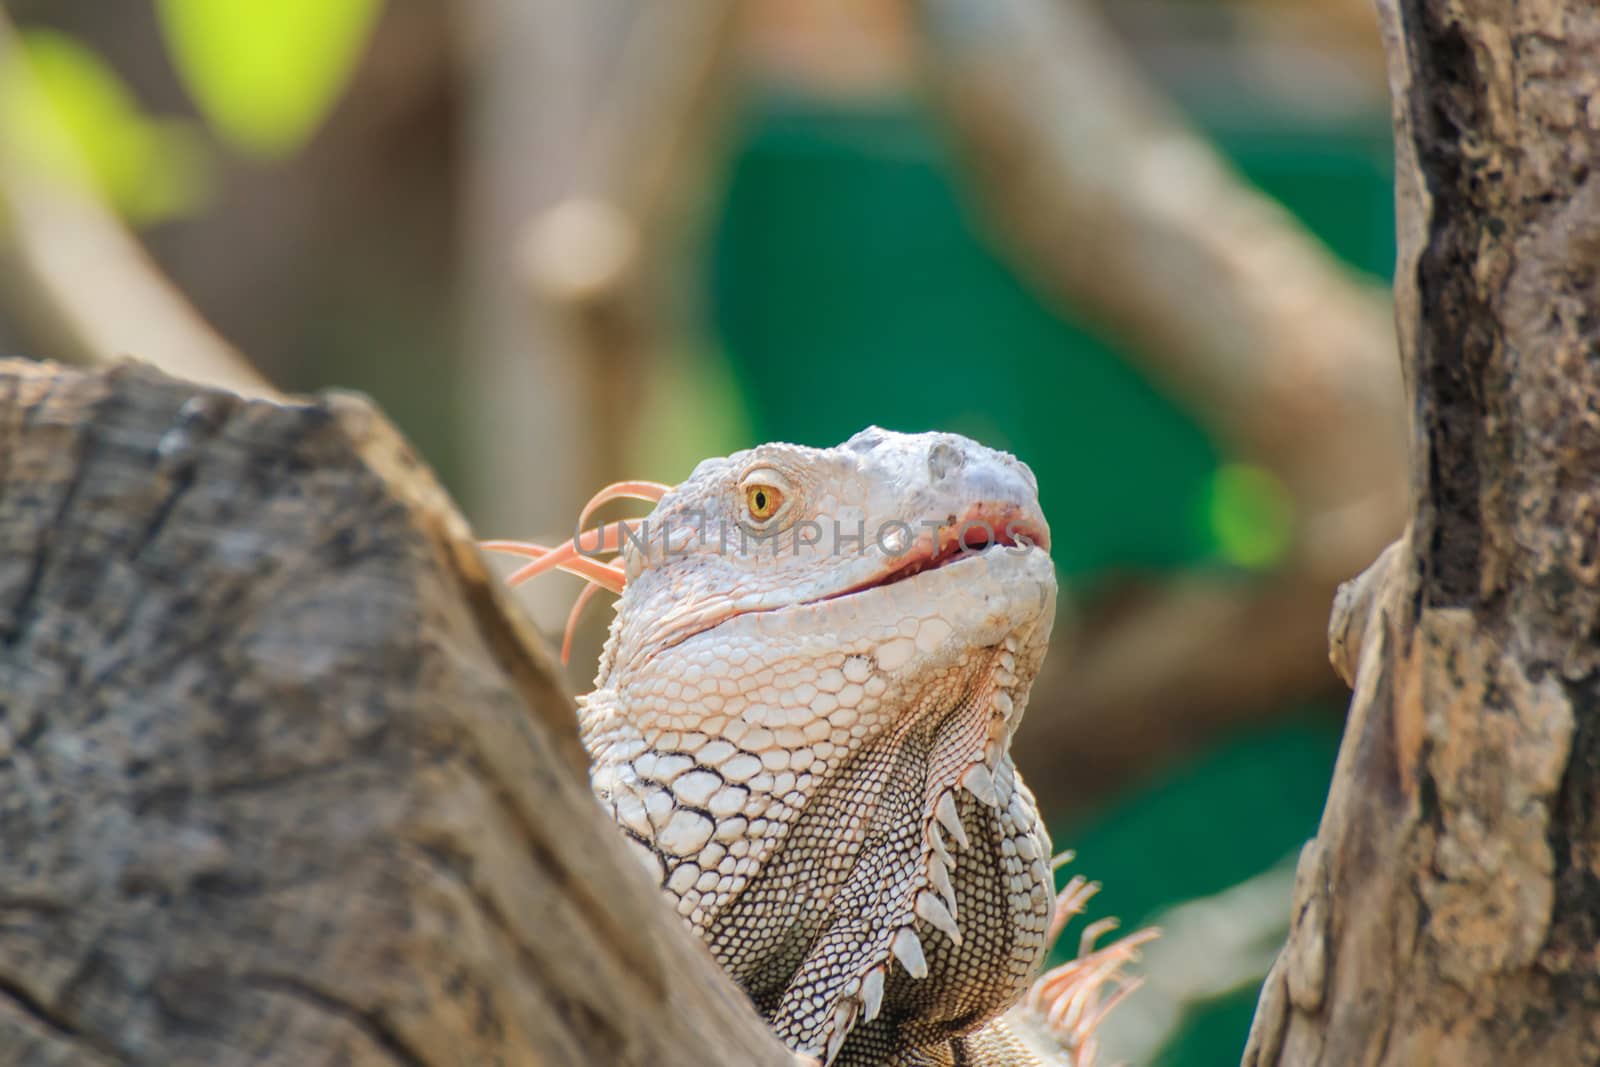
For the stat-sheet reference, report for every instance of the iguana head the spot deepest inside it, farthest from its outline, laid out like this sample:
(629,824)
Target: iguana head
(840,541)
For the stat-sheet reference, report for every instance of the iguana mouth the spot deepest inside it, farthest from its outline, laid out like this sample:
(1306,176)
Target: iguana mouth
(984,529)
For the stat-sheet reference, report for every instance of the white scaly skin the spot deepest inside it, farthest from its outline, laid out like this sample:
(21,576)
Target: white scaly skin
(814,761)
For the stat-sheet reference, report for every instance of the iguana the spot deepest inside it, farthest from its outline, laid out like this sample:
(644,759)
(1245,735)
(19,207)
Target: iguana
(801,722)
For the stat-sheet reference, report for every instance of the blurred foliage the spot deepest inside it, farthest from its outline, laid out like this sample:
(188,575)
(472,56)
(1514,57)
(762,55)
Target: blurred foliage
(1250,515)
(66,113)
(266,72)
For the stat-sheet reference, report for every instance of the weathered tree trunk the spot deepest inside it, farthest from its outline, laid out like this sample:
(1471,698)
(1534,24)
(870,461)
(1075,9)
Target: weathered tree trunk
(281,781)
(1448,910)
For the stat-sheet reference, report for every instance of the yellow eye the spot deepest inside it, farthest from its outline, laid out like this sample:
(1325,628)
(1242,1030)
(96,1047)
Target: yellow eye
(763,501)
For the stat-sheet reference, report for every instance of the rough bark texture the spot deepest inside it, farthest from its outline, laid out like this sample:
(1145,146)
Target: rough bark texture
(1449,908)
(281,782)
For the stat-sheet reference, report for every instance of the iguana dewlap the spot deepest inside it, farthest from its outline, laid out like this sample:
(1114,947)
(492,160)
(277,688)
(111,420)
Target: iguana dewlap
(801,722)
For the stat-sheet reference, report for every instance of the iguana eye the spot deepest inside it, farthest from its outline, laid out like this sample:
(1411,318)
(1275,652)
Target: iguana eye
(766,492)
(763,501)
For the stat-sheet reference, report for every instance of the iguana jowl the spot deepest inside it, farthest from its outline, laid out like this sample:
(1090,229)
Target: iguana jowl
(801,722)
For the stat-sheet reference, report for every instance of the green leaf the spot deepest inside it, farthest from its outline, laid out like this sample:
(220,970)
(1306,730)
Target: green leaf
(64,112)
(266,72)
(1251,515)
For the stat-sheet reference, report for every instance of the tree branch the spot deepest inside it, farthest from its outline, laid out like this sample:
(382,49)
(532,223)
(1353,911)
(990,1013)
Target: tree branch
(89,284)
(1114,206)
(1446,911)
(286,782)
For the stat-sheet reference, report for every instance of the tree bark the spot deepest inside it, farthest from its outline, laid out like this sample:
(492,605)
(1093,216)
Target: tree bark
(1448,910)
(282,781)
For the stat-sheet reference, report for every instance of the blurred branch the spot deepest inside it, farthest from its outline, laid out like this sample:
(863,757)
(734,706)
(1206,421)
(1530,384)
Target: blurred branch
(527,68)
(576,272)
(1354,21)
(1112,202)
(566,267)
(84,279)
(601,256)
(1209,947)
(1156,671)
(1114,205)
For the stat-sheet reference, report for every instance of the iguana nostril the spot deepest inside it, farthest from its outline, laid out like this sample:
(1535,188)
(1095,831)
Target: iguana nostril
(943,458)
